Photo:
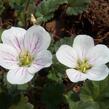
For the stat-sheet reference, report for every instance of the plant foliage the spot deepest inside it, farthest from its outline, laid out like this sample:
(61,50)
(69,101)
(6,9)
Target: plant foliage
(45,10)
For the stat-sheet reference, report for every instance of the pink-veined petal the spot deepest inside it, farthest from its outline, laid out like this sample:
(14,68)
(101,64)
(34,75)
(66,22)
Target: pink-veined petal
(75,76)
(36,39)
(42,60)
(8,56)
(14,37)
(19,76)
(67,56)
(98,73)
(82,44)
(98,55)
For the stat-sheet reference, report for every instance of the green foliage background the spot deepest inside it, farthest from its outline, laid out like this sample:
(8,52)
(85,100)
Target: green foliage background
(51,91)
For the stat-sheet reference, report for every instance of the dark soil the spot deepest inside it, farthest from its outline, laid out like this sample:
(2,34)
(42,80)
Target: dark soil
(94,22)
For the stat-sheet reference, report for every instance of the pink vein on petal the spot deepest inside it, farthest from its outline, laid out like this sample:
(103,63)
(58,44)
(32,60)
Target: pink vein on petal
(22,71)
(12,44)
(9,54)
(8,59)
(16,72)
(37,66)
(35,46)
(31,41)
(18,43)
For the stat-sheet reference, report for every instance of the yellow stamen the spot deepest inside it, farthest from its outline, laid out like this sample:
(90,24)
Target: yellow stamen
(25,59)
(83,65)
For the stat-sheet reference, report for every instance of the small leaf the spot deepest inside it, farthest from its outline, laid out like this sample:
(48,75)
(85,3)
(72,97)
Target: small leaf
(72,99)
(96,92)
(55,45)
(77,6)
(22,87)
(47,8)
(74,102)
(22,104)
(52,95)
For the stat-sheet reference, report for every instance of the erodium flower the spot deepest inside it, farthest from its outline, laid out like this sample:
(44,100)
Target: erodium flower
(85,61)
(24,52)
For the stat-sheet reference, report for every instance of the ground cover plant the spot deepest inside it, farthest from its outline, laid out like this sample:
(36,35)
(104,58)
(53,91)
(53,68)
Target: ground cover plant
(54,54)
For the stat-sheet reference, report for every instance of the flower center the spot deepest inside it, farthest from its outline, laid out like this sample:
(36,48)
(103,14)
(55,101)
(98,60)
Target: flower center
(83,65)
(25,59)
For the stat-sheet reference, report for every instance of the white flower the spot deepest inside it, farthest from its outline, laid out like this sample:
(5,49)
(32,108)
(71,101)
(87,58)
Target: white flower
(85,61)
(24,53)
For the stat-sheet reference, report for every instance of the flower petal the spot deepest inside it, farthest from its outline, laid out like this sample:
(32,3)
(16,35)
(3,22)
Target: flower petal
(37,38)
(98,73)
(19,76)
(8,56)
(14,37)
(82,43)
(98,55)
(67,56)
(43,59)
(75,75)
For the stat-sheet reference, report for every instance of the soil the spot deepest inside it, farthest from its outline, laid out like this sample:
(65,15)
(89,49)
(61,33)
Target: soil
(94,22)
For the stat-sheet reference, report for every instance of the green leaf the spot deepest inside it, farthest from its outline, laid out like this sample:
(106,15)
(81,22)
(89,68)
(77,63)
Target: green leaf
(52,95)
(17,4)
(93,95)
(57,71)
(77,6)
(74,103)
(46,9)
(88,105)
(72,96)
(72,100)
(55,45)
(4,100)
(22,104)
(22,87)
(96,92)
(53,76)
